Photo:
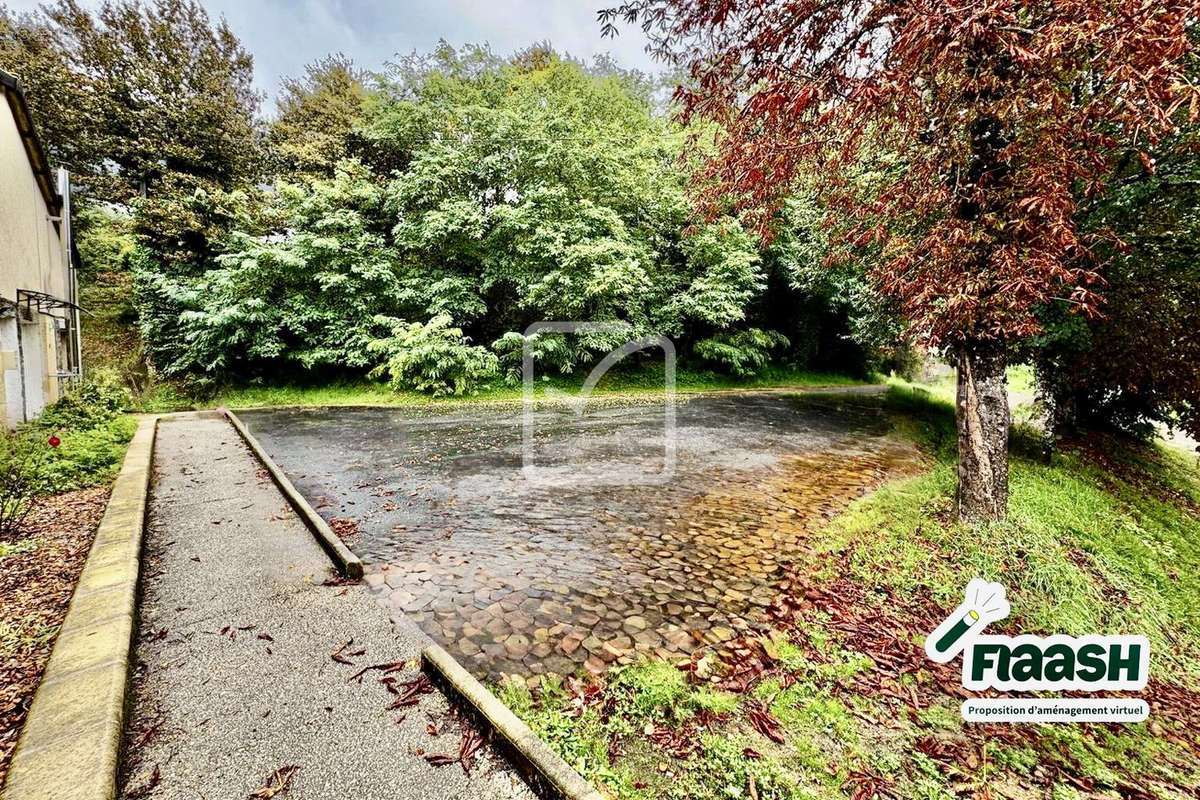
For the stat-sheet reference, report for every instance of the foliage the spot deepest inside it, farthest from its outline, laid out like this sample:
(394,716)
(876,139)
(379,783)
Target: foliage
(432,357)
(982,127)
(799,250)
(1139,363)
(150,105)
(548,189)
(316,118)
(304,292)
(134,93)
(104,237)
(88,456)
(22,478)
(744,352)
(86,407)
(111,342)
(92,433)
(995,123)
(495,193)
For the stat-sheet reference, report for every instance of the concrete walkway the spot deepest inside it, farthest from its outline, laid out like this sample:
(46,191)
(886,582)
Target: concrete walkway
(239,619)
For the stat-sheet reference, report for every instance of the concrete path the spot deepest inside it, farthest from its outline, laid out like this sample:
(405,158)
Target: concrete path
(235,679)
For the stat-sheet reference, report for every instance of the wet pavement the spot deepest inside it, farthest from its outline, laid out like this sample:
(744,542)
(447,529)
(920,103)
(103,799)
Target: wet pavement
(609,541)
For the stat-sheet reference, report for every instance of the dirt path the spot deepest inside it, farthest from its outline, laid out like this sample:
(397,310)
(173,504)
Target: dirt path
(235,676)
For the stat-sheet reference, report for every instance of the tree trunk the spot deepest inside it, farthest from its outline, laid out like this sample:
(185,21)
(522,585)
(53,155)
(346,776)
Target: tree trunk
(983,420)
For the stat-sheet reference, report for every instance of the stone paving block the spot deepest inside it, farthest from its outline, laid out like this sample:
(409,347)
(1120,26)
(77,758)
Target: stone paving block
(691,564)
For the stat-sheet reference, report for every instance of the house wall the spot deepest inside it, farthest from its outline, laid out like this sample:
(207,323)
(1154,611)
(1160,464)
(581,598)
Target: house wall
(32,258)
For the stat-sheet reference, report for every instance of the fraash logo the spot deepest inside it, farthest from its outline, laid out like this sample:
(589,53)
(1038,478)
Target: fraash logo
(1032,663)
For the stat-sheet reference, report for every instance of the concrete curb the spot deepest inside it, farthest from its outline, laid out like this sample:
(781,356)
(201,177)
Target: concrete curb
(347,563)
(545,770)
(71,743)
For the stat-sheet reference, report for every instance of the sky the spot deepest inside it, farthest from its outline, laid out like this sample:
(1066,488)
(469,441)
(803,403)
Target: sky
(284,35)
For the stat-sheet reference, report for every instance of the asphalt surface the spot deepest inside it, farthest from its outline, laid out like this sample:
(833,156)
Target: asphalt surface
(234,678)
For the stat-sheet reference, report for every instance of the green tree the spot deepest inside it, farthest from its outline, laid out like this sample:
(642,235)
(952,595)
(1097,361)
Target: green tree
(554,193)
(302,286)
(317,116)
(137,98)
(66,111)
(1138,362)
(482,195)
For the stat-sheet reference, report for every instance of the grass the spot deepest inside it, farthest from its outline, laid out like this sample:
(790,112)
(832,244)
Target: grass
(1102,537)
(14,640)
(1079,536)
(1022,385)
(90,436)
(364,392)
(16,548)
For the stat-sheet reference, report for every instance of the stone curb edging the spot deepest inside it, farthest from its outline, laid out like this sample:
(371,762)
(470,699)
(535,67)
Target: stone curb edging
(70,744)
(545,770)
(347,563)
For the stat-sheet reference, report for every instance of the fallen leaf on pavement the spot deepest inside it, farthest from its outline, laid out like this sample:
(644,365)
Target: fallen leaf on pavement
(412,691)
(277,782)
(337,656)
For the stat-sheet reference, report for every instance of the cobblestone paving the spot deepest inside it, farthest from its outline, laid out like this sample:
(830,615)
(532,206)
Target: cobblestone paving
(581,572)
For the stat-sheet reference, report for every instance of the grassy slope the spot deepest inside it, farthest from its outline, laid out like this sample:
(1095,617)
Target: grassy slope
(1095,543)
(364,392)
(110,340)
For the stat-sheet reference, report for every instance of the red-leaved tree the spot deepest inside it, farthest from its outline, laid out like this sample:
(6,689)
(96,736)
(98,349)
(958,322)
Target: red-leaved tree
(988,120)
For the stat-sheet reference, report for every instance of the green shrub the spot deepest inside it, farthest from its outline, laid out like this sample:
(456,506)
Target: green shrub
(23,477)
(434,357)
(92,434)
(88,457)
(744,352)
(90,405)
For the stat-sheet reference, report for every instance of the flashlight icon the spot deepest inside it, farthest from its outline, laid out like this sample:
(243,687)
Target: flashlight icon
(983,602)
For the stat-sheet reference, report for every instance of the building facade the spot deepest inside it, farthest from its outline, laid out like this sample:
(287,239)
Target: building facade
(39,315)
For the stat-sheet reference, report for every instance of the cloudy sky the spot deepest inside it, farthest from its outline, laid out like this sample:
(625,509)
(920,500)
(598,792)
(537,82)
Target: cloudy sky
(284,35)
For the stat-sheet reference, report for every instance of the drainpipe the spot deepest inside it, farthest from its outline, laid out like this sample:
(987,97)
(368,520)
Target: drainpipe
(21,366)
(75,338)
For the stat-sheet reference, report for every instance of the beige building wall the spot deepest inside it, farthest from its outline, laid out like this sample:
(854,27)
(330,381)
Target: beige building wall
(31,258)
